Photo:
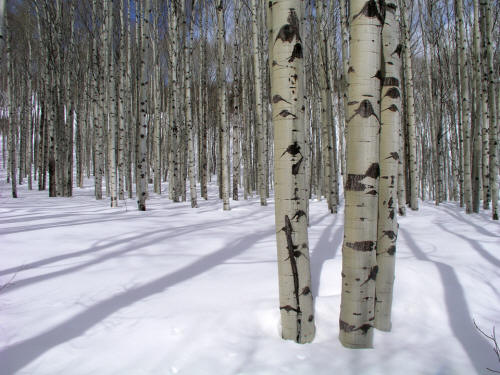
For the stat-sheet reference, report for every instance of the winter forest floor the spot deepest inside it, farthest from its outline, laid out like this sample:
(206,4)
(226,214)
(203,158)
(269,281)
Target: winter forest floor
(87,289)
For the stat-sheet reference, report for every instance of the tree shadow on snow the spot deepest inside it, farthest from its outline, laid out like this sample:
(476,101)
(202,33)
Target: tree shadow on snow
(18,355)
(464,220)
(475,245)
(134,243)
(475,346)
(326,248)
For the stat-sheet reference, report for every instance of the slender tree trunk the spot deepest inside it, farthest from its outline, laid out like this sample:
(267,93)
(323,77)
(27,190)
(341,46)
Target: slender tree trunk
(410,106)
(142,166)
(477,113)
(112,108)
(258,104)
(12,112)
(492,108)
(222,103)
(464,89)
(188,51)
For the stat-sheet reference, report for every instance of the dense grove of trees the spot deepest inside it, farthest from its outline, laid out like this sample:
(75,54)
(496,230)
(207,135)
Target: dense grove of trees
(393,100)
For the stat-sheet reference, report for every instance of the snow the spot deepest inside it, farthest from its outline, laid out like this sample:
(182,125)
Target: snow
(88,289)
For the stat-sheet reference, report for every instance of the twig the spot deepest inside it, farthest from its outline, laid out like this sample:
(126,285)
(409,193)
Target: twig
(4,286)
(493,338)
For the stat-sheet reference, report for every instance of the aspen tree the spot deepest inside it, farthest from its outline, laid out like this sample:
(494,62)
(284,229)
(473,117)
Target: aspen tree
(112,106)
(96,123)
(492,108)
(174,125)
(237,117)
(142,167)
(222,102)
(359,269)
(477,112)
(296,303)
(122,77)
(203,105)
(12,115)
(156,102)
(188,51)
(465,118)
(326,112)
(258,104)
(344,31)
(131,118)
(485,115)
(410,105)
(430,102)
(332,132)
(389,161)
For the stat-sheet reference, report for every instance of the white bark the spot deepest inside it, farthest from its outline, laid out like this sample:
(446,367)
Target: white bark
(221,80)
(389,162)
(359,267)
(261,169)
(464,90)
(12,122)
(189,110)
(410,106)
(492,109)
(142,186)
(296,303)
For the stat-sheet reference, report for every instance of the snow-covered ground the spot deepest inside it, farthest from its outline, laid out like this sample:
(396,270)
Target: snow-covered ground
(88,289)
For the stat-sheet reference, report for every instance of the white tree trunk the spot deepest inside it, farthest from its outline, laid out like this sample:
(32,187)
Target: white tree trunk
(258,104)
(466,119)
(142,167)
(492,109)
(389,162)
(221,80)
(296,303)
(359,269)
(12,114)
(189,110)
(410,106)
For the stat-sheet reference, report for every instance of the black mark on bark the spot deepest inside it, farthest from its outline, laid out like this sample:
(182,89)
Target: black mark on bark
(372,275)
(353,182)
(365,110)
(286,113)
(373,171)
(391,81)
(296,166)
(393,155)
(293,149)
(277,98)
(393,93)
(370,10)
(361,245)
(296,53)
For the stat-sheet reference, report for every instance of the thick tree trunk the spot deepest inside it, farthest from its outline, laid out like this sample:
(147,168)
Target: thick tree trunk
(296,303)
(389,163)
(359,269)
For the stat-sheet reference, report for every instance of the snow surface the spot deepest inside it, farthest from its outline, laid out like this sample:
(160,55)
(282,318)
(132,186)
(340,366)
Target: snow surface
(88,289)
